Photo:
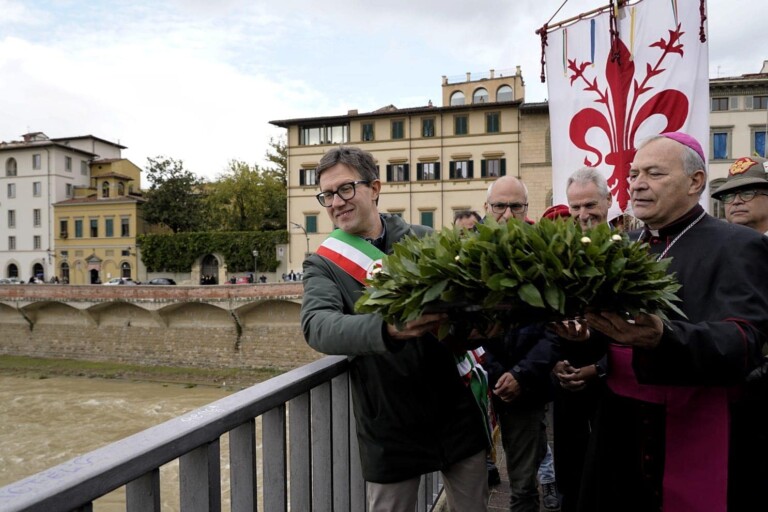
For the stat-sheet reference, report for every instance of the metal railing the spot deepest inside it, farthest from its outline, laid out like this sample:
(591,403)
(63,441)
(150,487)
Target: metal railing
(309,455)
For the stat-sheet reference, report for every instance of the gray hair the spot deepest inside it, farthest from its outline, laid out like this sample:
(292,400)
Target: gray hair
(490,187)
(587,175)
(692,162)
(354,157)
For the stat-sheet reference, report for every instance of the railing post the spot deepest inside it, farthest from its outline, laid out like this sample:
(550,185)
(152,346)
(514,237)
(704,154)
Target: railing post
(300,453)
(242,463)
(322,463)
(273,445)
(200,479)
(143,494)
(340,442)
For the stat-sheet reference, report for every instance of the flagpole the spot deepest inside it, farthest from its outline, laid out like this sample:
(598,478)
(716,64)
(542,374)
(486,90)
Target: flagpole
(580,16)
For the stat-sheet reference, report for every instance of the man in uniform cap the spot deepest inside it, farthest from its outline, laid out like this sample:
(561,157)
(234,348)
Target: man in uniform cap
(745,193)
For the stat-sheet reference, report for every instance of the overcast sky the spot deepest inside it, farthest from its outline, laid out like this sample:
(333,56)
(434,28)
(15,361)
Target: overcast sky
(199,81)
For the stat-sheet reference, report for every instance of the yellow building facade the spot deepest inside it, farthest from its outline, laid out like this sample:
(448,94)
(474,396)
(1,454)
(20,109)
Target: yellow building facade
(95,231)
(433,161)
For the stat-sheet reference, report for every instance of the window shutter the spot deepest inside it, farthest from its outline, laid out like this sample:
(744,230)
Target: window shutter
(733,103)
(389,172)
(483,172)
(451,169)
(406,174)
(503,169)
(419,171)
(301,177)
(470,165)
(749,102)
(437,170)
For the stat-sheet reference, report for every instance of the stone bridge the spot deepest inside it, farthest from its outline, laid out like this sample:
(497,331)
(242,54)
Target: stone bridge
(221,326)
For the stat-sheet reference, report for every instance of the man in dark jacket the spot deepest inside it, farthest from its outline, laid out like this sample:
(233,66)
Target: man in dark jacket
(413,413)
(670,431)
(519,367)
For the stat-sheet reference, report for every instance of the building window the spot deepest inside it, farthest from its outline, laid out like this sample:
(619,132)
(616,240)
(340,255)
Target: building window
(758,142)
(460,169)
(37,188)
(11,218)
(124,227)
(428,127)
(720,143)
(457,98)
(460,125)
(63,228)
(105,189)
(719,104)
(36,217)
(83,167)
(480,95)
(11,190)
(492,123)
(11,167)
(36,242)
(109,227)
(428,171)
(125,270)
(367,132)
(310,221)
(69,190)
(398,129)
(397,172)
(427,219)
(68,163)
(505,93)
(94,228)
(397,213)
(308,177)
(36,162)
(64,273)
(760,102)
(493,167)
(12,247)
(327,134)
(78,228)
(121,189)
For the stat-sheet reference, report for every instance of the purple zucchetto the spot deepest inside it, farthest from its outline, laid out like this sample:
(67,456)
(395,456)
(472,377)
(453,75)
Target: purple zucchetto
(686,140)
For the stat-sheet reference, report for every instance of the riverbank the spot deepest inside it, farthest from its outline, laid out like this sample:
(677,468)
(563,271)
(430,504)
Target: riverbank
(38,368)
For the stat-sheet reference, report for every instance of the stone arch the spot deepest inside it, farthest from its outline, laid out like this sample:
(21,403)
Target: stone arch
(211,264)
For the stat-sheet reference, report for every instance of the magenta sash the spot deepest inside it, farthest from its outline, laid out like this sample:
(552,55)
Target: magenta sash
(696,438)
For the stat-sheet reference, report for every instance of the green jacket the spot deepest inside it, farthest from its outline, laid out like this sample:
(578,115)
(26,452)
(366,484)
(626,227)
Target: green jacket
(414,415)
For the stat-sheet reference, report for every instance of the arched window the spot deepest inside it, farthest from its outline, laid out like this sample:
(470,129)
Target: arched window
(125,270)
(10,167)
(64,273)
(13,270)
(121,189)
(105,189)
(505,93)
(457,98)
(480,96)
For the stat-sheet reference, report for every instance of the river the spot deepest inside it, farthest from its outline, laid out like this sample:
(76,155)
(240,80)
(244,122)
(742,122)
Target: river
(44,422)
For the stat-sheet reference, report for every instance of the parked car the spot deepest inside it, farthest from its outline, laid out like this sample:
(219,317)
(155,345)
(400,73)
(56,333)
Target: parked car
(120,281)
(11,280)
(162,281)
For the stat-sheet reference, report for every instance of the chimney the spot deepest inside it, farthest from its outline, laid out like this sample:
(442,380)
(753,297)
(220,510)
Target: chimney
(469,76)
(352,112)
(765,67)
(493,74)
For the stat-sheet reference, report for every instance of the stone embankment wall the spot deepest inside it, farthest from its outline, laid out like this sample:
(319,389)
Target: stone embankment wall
(227,326)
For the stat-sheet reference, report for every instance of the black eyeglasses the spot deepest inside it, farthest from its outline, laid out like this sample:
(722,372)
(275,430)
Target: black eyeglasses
(345,192)
(498,208)
(744,195)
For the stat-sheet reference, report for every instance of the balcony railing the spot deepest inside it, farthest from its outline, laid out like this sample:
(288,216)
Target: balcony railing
(308,461)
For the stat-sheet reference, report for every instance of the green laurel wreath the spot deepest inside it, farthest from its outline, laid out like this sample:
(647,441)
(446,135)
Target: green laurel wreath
(517,273)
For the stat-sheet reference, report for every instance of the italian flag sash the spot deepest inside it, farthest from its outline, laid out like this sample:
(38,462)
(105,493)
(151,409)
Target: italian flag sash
(351,253)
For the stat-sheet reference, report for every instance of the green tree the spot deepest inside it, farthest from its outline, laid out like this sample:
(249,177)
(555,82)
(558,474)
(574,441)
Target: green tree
(277,156)
(174,196)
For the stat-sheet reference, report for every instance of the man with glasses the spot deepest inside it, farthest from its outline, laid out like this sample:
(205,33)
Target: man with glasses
(414,415)
(745,193)
(519,366)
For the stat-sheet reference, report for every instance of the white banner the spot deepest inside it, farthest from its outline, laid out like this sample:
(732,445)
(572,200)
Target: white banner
(603,100)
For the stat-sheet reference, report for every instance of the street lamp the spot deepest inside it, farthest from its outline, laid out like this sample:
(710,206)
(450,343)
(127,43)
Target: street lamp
(305,234)
(255,263)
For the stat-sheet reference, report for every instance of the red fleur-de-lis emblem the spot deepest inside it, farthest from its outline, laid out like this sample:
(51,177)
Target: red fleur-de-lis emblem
(622,109)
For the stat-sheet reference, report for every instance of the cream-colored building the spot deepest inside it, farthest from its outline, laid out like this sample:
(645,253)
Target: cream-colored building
(738,122)
(433,160)
(95,239)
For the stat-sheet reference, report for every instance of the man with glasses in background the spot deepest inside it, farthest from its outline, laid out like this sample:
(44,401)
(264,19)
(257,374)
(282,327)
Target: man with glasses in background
(519,366)
(745,193)
(414,415)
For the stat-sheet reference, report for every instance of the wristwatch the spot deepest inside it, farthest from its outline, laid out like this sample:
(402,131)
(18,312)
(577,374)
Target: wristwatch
(601,373)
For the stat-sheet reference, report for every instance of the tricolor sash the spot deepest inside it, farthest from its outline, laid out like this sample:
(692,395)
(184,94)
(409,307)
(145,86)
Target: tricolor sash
(351,253)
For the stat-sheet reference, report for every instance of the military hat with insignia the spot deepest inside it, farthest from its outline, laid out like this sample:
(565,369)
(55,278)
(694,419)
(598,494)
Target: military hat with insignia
(746,172)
